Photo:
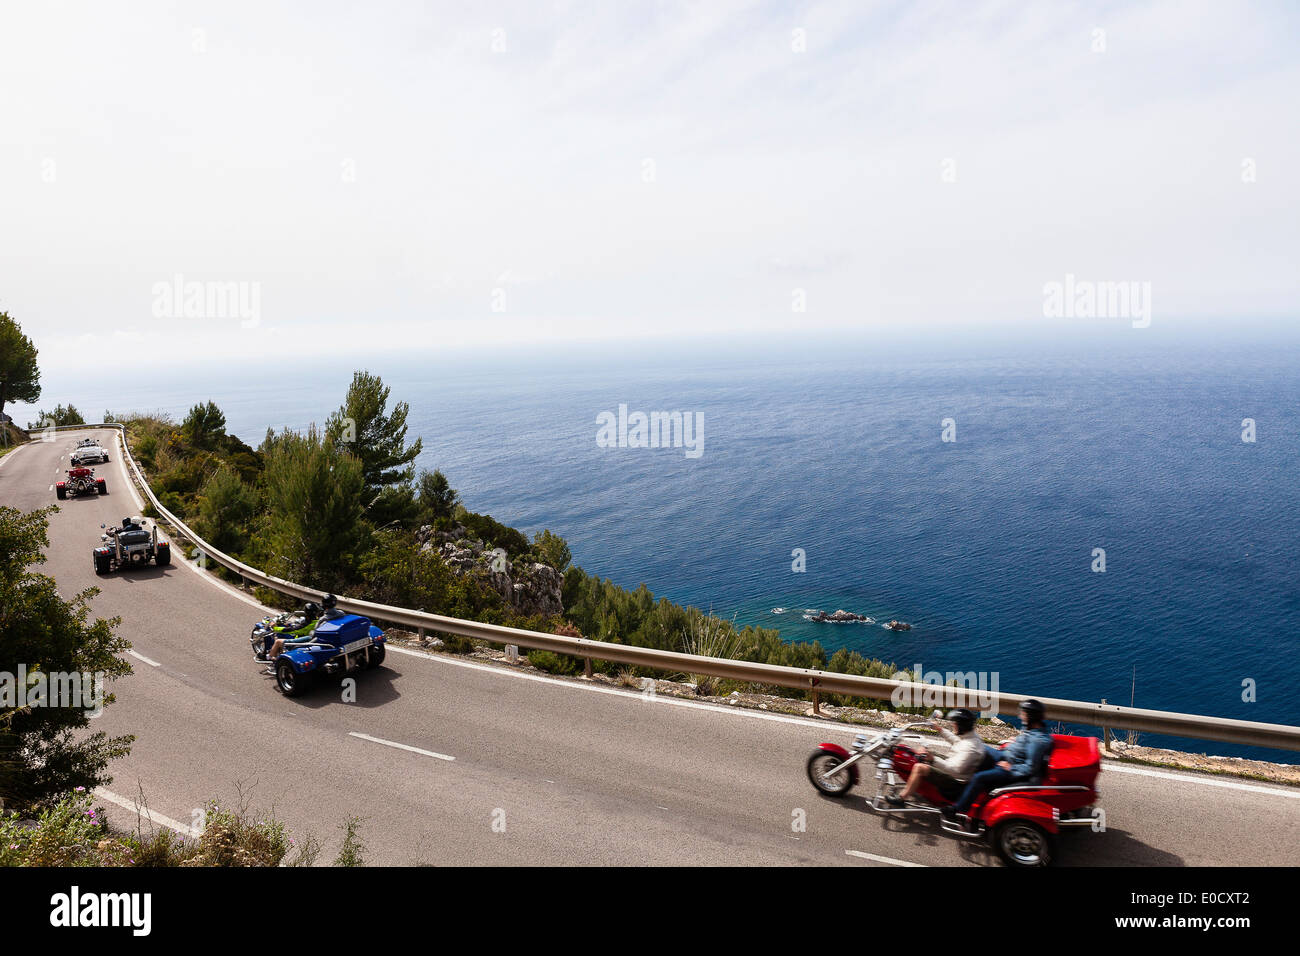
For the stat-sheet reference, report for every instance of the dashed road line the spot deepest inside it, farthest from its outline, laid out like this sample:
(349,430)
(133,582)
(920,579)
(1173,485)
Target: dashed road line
(882,859)
(146,813)
(141,657)
(390,743)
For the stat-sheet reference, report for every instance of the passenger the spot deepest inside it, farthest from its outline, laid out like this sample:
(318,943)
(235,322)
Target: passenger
(331,604)
(1024,760)
(274,642)
(948,774)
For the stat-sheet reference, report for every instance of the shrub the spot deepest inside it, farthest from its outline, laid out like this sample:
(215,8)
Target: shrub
(351,852)
(554,663)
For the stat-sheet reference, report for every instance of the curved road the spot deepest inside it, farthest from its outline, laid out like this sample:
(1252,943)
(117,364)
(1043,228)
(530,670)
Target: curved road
(541,771)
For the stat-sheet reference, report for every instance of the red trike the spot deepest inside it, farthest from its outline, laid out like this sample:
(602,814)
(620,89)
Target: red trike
(1021,821)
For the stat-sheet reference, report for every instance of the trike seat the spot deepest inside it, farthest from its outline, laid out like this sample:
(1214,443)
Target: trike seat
(1074,761)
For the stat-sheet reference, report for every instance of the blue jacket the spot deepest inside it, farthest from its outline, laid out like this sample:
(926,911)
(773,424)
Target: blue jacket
(1028,754)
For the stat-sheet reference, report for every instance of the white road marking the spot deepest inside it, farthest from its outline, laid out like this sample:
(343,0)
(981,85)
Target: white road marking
(130,485)
(389,743)
(882,859)
(145,812)
(218,583)
(17,449)
(143,658)
(1206,781)
(51,488)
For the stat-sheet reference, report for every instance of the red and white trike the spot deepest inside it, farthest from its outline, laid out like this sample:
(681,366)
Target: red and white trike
(1021,821)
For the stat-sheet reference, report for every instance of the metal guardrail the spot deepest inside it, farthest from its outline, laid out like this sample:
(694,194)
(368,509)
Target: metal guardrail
(1109,716)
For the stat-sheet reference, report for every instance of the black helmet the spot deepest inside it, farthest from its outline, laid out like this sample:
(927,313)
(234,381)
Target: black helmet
(329,601)
(312,609)
(1033,709)
(963,718)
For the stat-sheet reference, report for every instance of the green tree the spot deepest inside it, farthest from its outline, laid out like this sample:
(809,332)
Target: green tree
(364,427)
(438,499)
(20,377)
(60,416)
(552,549)
(204,426)
(315,530)
(44,750)
(226,506)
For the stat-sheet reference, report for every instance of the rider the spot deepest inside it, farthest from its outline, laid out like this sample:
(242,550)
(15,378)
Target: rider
(274,641)
(1021,761)
(948,774)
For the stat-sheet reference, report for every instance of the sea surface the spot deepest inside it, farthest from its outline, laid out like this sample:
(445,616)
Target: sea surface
(1125,440)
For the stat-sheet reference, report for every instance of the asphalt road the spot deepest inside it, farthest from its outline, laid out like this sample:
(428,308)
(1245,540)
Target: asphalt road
(541,772)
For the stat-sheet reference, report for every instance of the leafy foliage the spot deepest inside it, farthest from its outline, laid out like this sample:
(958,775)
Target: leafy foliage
(20,376)
(438,499)
(315,499)
(44,750)
(552,549)
(205,426)
(62,415)
(494,534)
(226,508)
(365,428)
(71,831)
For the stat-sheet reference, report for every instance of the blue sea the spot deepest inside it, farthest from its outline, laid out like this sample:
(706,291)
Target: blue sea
(1119,439)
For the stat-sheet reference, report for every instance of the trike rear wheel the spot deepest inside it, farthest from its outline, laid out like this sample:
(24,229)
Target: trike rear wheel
(1021,843)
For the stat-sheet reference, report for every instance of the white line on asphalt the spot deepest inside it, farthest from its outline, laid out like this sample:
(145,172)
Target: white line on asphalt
(389,743)
(882,859)
(126,480)
(51,488)
(218,583)
(145,659)
(145,812)
(1206,781)
(17,449)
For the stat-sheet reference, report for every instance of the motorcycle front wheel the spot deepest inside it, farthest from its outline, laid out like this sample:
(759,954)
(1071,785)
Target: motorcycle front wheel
(821,771)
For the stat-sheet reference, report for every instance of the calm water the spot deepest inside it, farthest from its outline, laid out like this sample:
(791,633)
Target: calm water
(984,545)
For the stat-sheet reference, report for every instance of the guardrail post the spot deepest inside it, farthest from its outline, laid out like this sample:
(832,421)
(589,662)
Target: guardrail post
(420,635)
(816,698)
(1105,731)
(586,668)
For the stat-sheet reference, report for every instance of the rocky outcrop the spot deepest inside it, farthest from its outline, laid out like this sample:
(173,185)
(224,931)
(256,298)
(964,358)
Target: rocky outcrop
(529,587)
(838,617)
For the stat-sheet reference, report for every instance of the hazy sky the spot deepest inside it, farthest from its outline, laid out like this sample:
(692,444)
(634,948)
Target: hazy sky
(404,176)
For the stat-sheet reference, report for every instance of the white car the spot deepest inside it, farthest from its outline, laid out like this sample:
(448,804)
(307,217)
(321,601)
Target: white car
(88,452)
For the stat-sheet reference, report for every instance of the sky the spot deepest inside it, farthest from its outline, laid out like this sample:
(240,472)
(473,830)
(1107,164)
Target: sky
(334,179)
